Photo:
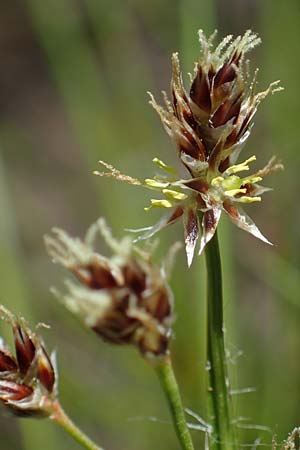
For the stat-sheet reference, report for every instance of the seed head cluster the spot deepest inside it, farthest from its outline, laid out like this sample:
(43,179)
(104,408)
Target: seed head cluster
(125,298)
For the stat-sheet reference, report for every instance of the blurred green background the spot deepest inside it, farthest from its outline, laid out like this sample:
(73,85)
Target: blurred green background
(73,88)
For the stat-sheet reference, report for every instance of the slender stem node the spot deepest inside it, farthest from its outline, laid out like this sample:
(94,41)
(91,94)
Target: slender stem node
(59,417)
(223,435)
(169,384)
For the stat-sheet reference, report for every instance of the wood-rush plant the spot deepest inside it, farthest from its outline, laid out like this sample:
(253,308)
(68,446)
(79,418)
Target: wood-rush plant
(126,298)
(210,123)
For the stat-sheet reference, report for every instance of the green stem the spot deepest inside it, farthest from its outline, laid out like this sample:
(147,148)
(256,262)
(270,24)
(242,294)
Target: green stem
(223,435)
(59,417)
(169,384)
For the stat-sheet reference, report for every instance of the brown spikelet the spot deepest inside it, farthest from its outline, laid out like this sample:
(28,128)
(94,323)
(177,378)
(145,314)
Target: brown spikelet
(28,381)
(124,299)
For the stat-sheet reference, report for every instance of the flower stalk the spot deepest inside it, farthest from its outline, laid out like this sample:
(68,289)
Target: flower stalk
(223,434)
(168,382)
(59,417)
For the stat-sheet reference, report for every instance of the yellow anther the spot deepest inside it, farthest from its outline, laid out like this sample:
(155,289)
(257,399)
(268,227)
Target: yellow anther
(240,167)
(156,184)
(164,166)
(159,204)
(251,180)
(174,194)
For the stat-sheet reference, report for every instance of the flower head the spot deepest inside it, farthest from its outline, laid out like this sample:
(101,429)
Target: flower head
(28,379)
(210,124)
(125,299)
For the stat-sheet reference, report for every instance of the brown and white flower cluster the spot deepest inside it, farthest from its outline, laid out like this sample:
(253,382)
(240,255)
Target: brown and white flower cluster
(209,123)
(125,298)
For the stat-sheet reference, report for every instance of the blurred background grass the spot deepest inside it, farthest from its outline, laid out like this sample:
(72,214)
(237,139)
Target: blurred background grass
(73,90)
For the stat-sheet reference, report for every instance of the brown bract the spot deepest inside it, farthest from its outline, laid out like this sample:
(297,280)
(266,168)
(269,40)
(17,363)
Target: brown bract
(28,378)
(125,298)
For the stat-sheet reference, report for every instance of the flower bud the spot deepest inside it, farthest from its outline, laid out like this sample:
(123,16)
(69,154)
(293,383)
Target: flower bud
(27,380)
(125,299)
